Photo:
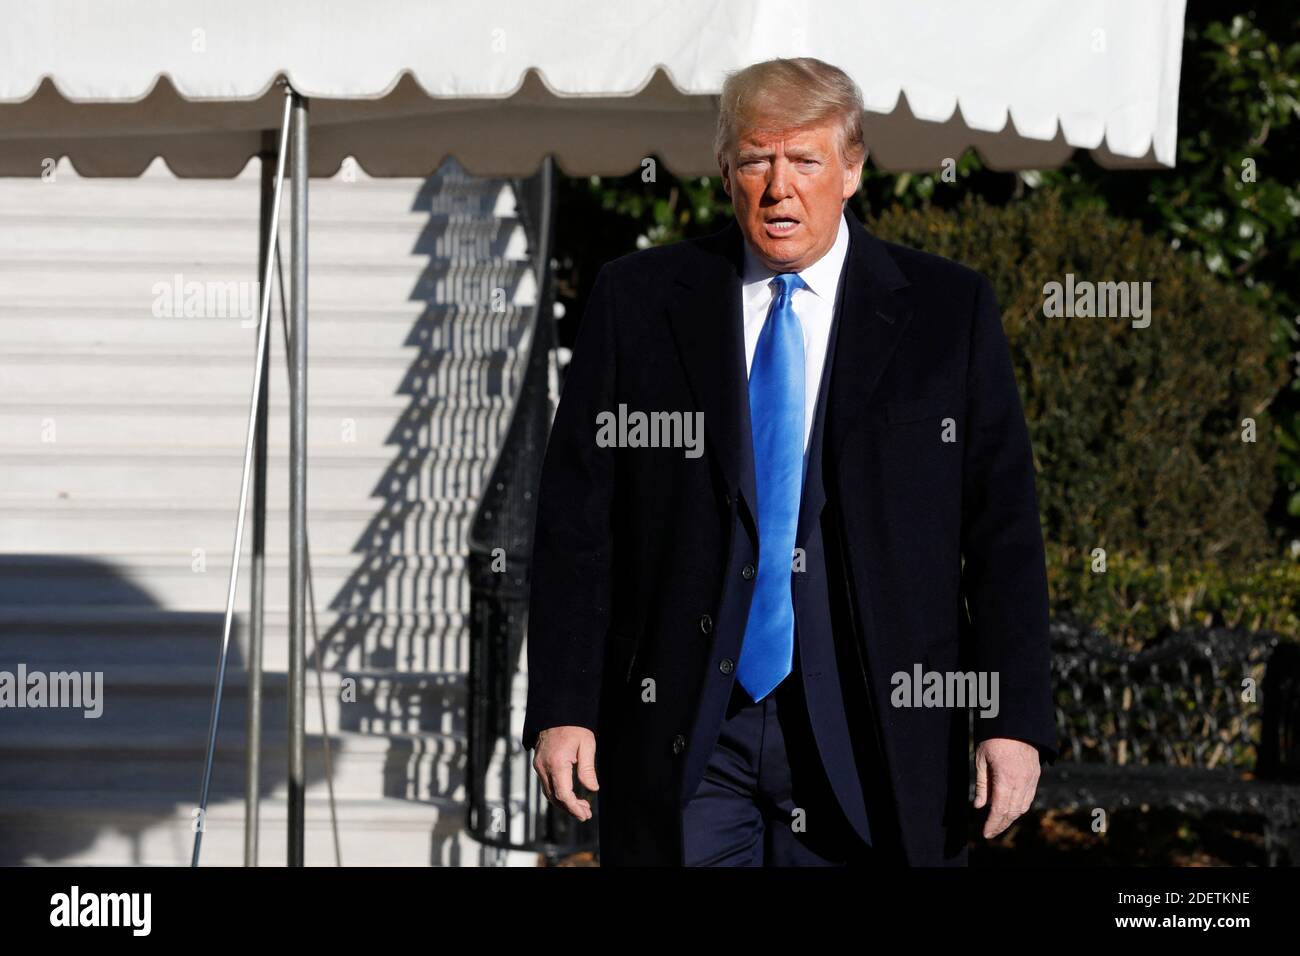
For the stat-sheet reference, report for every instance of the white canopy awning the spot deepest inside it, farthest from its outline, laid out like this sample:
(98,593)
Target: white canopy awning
(400,84)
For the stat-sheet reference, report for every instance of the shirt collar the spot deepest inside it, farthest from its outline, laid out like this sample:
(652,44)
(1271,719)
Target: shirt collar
(822,277)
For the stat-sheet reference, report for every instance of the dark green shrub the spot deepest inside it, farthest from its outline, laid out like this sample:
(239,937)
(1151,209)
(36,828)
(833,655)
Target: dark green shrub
(1137,432)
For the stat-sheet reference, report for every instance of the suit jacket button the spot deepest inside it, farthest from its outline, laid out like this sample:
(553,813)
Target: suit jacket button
(726,665)
(747,572)
(727,499)
(679,744)
(706,624)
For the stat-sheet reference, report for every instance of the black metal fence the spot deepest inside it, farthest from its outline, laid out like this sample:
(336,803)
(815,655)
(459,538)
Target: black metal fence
(1193,700)
(1205,721)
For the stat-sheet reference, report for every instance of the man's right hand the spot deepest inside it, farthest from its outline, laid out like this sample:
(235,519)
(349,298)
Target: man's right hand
(558,749)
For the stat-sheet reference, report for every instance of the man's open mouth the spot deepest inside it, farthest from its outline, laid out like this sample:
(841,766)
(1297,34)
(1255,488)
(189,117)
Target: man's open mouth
(781,225)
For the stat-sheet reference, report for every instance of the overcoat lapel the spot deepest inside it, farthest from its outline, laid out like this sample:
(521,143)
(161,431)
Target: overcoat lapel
(876,310)
(707,321)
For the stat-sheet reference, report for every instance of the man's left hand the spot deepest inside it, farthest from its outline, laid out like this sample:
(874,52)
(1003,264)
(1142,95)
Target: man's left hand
(1010,768)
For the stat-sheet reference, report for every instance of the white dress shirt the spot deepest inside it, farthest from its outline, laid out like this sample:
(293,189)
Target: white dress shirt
(814,305)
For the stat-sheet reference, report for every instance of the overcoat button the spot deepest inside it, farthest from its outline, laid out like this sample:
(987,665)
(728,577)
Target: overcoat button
(679,744)
(747,572)
(726,665)
(706,624)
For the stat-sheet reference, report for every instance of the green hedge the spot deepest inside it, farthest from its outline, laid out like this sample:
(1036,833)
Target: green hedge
(1136,431)
(1136,602)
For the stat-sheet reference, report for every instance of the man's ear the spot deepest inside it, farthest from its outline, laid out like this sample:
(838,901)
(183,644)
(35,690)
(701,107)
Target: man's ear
(853,178)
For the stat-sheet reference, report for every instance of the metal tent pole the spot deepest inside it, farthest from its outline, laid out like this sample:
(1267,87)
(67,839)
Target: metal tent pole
(260,365)
(311,605)
(257,579)
(298,487)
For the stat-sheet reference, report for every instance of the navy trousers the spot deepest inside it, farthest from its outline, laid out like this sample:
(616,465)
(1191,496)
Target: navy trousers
(764,798)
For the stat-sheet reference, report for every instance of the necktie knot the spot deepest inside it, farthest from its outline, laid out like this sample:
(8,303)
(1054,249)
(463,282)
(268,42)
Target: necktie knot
(787,282)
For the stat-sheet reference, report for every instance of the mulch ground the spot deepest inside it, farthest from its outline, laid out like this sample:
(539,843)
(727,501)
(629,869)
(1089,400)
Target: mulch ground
(1151,837)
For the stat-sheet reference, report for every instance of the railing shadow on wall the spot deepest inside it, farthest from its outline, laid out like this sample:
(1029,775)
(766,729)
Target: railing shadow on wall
(400,614)
(506,806)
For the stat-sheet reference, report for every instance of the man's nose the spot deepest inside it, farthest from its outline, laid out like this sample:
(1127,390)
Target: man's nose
(778,183)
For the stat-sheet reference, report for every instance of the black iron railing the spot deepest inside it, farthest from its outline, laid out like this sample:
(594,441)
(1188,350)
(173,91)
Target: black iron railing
(506,807)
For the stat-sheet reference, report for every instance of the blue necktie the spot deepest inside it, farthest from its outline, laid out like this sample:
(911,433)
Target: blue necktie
(776,400)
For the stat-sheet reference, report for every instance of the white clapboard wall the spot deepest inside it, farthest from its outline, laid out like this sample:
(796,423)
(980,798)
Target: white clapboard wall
(127,339)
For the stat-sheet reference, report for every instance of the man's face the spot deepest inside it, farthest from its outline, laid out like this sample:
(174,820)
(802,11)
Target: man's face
(788,191)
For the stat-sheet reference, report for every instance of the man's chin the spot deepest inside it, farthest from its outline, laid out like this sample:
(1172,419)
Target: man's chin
(780,254)
(784,260)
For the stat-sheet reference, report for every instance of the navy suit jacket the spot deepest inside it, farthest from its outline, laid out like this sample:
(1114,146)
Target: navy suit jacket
(920,504)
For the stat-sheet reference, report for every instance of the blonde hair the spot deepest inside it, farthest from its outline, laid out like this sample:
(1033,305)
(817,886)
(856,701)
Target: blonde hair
(786,94)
